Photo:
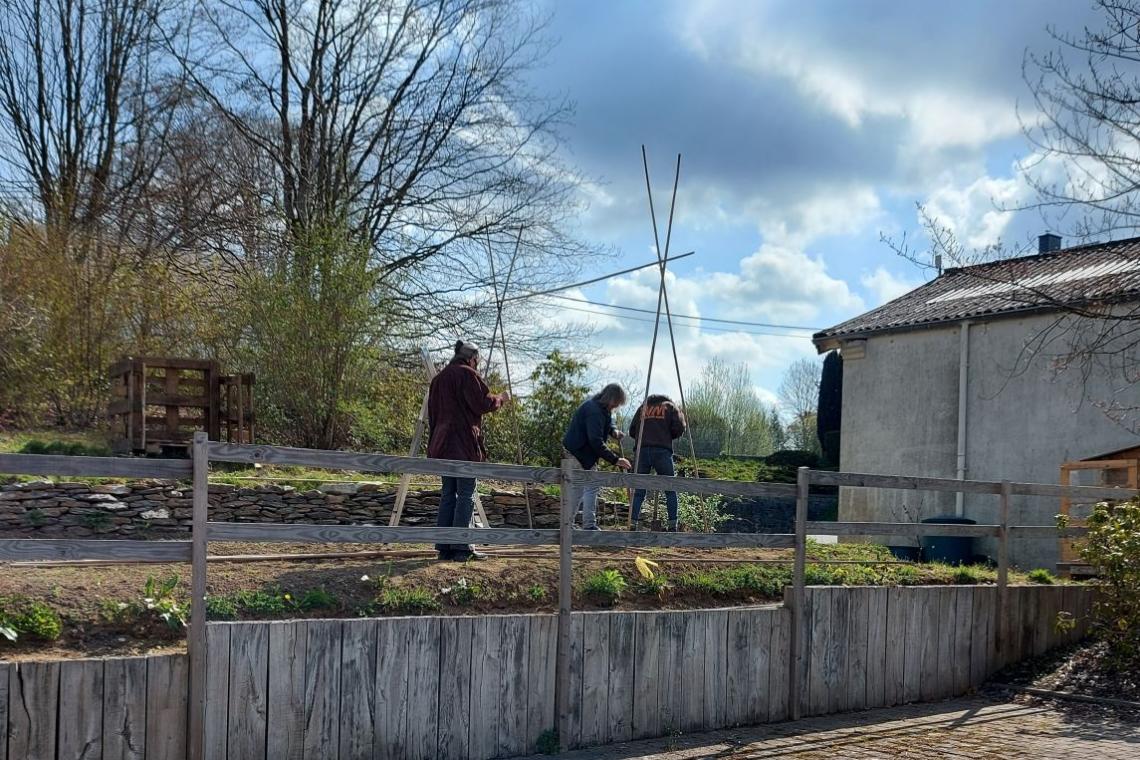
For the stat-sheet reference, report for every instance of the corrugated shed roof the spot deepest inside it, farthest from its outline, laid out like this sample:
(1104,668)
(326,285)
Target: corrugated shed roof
(1046,281)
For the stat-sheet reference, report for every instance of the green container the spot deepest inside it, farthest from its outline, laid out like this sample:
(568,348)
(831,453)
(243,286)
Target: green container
(953,550)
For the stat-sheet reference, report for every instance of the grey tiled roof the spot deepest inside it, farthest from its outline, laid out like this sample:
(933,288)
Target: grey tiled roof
(1047,281)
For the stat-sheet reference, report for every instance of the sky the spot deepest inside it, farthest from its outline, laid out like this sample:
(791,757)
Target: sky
(808,131)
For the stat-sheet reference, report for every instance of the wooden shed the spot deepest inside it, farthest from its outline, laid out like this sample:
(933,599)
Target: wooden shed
(159,402)
(1116,468)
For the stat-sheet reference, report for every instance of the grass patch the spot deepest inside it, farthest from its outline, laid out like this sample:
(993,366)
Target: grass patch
(1042,576)
(65,448)
(410,601)
(537,593)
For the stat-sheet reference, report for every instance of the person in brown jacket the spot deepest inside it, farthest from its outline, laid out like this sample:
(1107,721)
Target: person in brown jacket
(457,400)
(664,423)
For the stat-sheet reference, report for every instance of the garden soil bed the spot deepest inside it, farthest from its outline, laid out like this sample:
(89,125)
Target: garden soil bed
(1083,670)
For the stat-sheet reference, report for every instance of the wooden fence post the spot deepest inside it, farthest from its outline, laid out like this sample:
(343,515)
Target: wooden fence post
(569,502)
(797,674)
(1003,569)
(196,641)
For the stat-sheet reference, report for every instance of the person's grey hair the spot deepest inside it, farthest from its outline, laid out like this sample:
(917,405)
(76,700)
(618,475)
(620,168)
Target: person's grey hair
(465,350)
(612,395)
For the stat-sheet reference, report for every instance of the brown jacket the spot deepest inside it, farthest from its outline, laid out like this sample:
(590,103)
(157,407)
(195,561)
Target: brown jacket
(663,423)
(457,401)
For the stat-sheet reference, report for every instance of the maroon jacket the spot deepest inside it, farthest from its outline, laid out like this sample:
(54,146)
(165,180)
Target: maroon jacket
(457,401)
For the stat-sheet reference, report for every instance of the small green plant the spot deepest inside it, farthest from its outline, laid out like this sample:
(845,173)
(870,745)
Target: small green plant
(606,584)
(547,743)
(654,586)
(221,608)
(158,597)
(538,593)
(1065,622)
(1042,576)
(463,591)
(262,602)
(21,616)
(95,520)
(316,599)
(702,514)
(114,611)
(36,517)
(413,601)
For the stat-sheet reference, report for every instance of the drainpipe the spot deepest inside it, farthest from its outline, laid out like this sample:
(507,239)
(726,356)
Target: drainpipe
(963,378)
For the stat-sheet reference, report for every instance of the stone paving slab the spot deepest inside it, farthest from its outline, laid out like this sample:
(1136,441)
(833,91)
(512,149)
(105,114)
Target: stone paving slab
(974,728)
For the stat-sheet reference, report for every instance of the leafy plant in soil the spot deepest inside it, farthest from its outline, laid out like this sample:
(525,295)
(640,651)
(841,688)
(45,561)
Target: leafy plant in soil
(20,616)
(606,585)
(537,593)
(412,601)
(158,598)
(1042,576)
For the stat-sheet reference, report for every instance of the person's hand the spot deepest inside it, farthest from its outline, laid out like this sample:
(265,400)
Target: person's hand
(619,435)
(505,397)
(623,464)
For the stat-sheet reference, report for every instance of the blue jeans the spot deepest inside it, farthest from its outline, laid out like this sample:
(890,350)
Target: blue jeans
(660,460)
(456,504)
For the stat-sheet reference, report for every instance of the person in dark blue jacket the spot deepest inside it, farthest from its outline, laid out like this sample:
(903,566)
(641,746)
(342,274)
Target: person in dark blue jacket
(585,440)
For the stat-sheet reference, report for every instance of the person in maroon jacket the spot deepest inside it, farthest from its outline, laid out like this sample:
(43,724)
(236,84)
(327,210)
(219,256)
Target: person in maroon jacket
(457,401)
(663,423)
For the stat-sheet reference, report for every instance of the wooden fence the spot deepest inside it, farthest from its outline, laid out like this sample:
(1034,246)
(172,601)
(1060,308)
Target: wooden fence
(472,688)
(798,661)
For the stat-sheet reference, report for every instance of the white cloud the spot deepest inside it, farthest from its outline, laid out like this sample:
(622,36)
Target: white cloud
(886,286)
(974,212)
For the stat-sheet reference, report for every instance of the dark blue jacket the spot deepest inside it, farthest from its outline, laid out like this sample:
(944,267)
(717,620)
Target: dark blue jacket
(586,437)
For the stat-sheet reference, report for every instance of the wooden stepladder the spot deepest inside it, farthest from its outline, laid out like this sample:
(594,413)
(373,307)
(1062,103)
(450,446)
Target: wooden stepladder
(479,519)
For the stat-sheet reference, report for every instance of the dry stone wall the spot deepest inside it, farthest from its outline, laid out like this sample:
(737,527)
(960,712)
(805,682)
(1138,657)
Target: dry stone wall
(161,509)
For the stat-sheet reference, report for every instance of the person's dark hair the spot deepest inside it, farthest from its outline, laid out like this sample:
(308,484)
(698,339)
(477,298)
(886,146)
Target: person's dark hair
(465,350)
(612,395)
(658,398)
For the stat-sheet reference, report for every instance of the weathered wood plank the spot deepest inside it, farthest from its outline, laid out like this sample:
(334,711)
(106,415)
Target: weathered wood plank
(947,600)
(576,679)
(1029,607)
(4,667)
(738,653)
(196,633)
(392,689)
(983,633)
(485,674)
(248,697)
(963,638)
(124,708)
(759,664)
(931,608)
(1048,606)
(778,675)
(33,693)
(287,696)
(1012,611)
(423,685)
(56,549)
(897,643)
(322,688)
(900,529)
(595,723)
(670,687)
(647,654)
(916,614)
(621,676)
(714,666)
(610,479)
(540,675)
(513,676)
(346,460)
(862,480)
(875,664)
(81,709)
(94,467)
(839,649)
(167,682)
(818,647)
(455,658)
(357,690)
(858,635)
(692,666)
(621,538)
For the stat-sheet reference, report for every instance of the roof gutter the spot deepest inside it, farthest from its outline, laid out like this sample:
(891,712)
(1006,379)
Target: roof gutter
(963,399)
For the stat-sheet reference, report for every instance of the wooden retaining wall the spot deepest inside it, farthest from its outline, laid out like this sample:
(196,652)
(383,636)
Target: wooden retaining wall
(483,687)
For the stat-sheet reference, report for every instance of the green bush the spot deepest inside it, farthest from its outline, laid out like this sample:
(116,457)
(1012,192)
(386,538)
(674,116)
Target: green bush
(793,458)
(1042,576)
(1113,548)
(20,616)
(66,448)
(701,514)
(605,584)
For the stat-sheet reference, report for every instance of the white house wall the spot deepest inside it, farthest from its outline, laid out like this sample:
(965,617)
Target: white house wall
(900,407)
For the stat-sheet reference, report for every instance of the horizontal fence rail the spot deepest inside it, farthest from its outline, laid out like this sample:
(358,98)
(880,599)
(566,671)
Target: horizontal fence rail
(95,467)
(861,480)
(902,529)
(50,549)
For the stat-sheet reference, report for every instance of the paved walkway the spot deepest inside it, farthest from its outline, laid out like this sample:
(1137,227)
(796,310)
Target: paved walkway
(974,728)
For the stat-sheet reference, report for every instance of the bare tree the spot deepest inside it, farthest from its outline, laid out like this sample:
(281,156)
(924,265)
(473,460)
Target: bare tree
(799,398)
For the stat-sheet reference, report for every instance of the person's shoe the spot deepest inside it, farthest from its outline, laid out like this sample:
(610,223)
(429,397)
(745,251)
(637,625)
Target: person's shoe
(444,556)
(467,555)
(634,527)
